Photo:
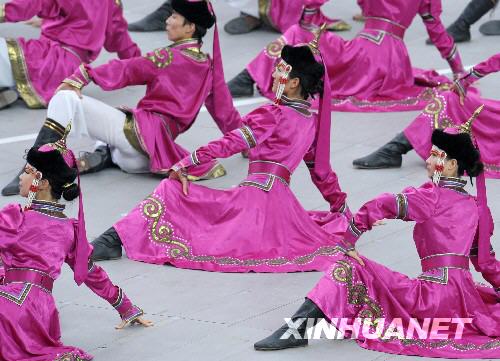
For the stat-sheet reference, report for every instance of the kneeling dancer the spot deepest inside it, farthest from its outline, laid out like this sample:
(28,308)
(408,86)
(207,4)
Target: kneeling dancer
(259,225)
(452,229)
(34,243)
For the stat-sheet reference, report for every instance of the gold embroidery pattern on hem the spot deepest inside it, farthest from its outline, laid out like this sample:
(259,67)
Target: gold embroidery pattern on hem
(21,77)
(161,57)
(195,54)
(162,232)
(357,294)
(71,356)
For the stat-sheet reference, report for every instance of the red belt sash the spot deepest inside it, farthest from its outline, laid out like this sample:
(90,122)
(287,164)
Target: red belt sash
(29,276)
(270,168)
(385,25)
(444,260)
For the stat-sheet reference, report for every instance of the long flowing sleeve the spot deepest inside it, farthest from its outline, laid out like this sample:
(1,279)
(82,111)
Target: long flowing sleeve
(412,204)
(257,127)
(117,36)
(430,11)
(490,270)
(99,282)
(328,185)
(20,10)
(480,70)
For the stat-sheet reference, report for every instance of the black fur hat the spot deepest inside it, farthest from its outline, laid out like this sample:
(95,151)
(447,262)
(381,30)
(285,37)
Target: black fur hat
(460,147)
(305,67)
(52,166)
(196,12)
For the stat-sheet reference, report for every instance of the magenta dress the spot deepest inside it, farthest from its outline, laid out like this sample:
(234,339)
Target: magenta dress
(73,32)
(179,80)
(444,110)
(387,82)
(257,226)
(36,243)
(446,229)
(281,14)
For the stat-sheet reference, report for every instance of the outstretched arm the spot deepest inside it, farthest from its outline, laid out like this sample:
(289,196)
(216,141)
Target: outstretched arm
(117,37)
(412,204)
(430,11)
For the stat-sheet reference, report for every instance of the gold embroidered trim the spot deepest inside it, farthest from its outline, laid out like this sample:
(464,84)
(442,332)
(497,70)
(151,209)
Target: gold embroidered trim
(84,72)
(20,72)
(74,83)
(159,58)
(178,248)
(248,136)
(130,130)
(195,54)
(358,295)
(18,300)
(265,187)
(2,13)
(441,279)
(274,48)
(119,299)
(71,356)
(55,126)
(264,12)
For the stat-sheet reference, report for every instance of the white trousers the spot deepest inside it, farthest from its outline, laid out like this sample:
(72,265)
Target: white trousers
(250,7)
(97,121)
(6,76)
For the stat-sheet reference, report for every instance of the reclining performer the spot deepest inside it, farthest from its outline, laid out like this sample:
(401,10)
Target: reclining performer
(72,32)
(371,72)
(452,228)
(179,79)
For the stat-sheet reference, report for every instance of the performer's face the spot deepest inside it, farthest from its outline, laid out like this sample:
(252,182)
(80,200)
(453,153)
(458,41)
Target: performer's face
(178,28)
(25,180)
(450,166)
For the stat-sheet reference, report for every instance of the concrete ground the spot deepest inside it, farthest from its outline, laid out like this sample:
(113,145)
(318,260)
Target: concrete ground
(211,316)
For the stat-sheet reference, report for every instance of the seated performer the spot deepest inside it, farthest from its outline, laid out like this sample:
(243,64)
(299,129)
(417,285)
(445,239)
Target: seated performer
(450,225)
(278,14)
(34,243)
(443,108)
(259,225)
(73,32)
(179,80)
(387,81)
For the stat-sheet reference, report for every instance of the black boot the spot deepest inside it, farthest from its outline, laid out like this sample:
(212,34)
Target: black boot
(279,341)
(93,162)
(107,246)
(491,27)
(50,132)
(243,24)
(7,97)
(154,21)
(460,29)
(388,156)
(241,85)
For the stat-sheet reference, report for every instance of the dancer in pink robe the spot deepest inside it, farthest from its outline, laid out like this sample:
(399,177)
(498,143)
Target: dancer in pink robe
(35,241)
(179,79)
(387,81)
(445,108)
(73,32)
(258,226)
(449,222)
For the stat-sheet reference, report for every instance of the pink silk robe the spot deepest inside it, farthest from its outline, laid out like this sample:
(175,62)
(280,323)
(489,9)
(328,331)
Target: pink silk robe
(444,110)
(257,226)
(446,223)
(281,14)
(73,31)
(387,82)
(179,82)
(29,321)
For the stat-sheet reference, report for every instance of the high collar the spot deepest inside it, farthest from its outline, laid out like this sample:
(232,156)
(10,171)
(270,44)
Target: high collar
(454,183)
(300,105)
(53,209)
(191,44)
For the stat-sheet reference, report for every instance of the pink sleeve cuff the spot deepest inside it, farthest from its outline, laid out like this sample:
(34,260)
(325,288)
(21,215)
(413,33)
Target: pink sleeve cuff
(186,162)
(79,78)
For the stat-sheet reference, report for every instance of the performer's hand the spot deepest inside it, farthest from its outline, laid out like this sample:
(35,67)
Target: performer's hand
(141,321)
(460,91)
(381,222)
(354,254)
(65,86)
(181,176)
(35,22)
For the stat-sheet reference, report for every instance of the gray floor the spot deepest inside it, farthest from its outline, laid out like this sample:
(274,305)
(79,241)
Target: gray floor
(210,316)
